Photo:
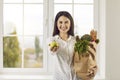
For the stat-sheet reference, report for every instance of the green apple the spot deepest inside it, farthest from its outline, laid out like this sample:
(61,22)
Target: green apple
(53,44)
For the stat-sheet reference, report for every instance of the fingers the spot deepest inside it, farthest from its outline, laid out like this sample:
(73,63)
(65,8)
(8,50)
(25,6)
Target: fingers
(83,76)
(54,49)
(92,72)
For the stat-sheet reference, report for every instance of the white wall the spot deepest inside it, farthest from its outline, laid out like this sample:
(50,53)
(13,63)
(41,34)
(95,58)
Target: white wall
(113,39)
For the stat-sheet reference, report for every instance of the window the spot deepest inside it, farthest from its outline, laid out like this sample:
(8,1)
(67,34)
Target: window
(26,24)
(22,35)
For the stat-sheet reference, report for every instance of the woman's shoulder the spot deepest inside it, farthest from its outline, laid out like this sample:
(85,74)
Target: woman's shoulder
(73,39)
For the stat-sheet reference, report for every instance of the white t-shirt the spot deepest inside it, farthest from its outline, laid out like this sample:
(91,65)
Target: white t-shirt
(63,58)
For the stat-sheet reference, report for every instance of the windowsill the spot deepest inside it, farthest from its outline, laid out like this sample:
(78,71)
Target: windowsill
(35,77)
(26,77)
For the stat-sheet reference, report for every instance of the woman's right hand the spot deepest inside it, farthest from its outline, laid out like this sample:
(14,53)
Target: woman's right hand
(54,49)
(54,46)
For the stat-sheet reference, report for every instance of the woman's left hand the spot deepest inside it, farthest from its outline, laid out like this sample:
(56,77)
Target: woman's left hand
(92,72)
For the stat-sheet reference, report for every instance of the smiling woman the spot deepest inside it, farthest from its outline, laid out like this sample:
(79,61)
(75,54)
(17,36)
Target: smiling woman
(31,21)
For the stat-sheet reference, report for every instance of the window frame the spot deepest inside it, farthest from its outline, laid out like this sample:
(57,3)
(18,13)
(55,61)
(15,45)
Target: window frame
(21,70)
(48,8)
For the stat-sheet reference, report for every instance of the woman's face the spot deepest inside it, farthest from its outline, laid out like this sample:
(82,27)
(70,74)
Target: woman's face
(63,24)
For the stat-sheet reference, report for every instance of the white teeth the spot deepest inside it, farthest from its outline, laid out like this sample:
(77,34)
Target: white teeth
(63,28)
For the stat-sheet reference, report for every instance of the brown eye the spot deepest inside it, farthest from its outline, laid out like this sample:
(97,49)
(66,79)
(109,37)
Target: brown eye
(60,22)
(66,21)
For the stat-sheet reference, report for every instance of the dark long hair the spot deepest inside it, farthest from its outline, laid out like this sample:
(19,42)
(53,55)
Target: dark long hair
(68,15)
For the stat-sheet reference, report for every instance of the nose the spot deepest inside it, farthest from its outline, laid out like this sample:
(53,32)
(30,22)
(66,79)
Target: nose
(63,24)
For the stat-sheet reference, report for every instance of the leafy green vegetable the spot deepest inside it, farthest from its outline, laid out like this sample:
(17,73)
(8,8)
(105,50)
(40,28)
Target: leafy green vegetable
(86,37)
(81,45)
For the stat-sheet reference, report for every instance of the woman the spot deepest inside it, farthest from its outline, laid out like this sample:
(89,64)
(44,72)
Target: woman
(63,36)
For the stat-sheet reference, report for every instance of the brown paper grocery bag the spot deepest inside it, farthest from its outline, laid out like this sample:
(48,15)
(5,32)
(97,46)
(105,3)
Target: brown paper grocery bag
(83,62)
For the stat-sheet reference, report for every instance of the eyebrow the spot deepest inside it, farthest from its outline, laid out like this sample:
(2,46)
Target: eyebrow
(66,21)
(62,21)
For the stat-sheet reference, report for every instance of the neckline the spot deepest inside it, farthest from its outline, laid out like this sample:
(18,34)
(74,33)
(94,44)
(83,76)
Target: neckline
(62,39)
